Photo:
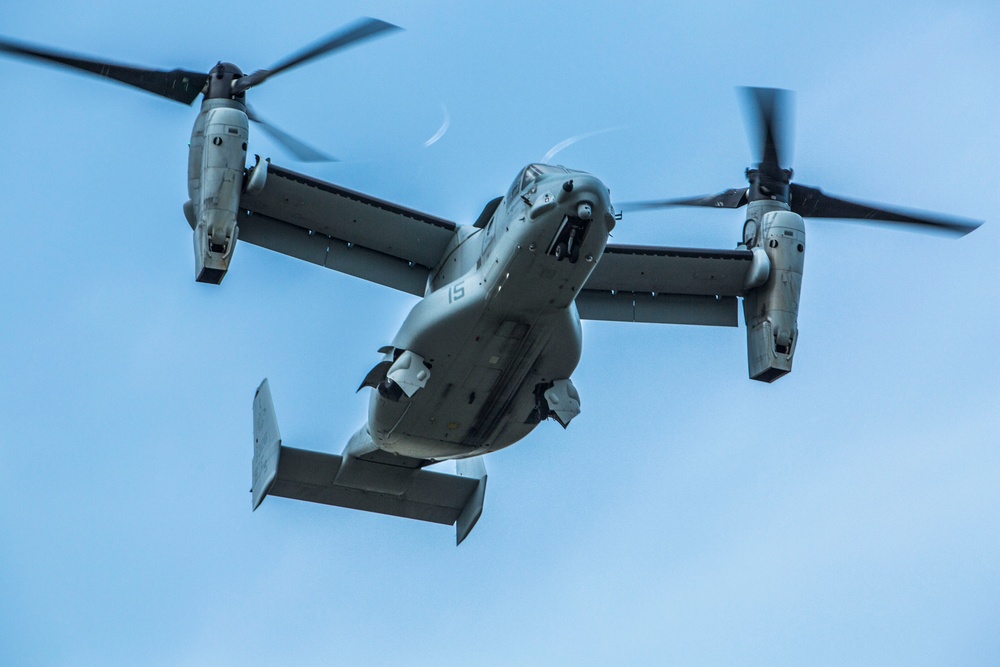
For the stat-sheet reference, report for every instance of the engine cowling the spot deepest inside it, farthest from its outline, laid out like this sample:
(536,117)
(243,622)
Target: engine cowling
(216,164)
(771,310)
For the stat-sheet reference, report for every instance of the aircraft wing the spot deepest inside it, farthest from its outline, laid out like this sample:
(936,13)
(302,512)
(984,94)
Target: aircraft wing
(344,230)
(666,285)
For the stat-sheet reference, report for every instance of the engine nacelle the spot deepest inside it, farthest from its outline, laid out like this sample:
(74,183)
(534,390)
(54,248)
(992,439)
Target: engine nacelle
(771,310)
(215,178)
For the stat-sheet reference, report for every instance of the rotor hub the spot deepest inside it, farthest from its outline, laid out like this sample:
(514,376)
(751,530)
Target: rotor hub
(769,183)
(220,82)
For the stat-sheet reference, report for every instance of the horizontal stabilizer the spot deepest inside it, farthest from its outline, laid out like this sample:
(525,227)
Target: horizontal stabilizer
(432,496)
(306,475)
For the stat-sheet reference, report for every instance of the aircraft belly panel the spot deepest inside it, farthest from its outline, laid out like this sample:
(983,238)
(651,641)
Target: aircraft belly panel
(489,338)
(479,397)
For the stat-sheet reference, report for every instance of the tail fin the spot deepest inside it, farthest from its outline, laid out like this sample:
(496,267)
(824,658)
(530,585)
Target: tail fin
(266,444)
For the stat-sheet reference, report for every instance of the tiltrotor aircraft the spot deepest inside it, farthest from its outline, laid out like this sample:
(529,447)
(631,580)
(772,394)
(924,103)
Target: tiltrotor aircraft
(488,352)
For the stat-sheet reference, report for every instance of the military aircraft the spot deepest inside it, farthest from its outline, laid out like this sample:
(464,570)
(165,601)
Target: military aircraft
(488,352)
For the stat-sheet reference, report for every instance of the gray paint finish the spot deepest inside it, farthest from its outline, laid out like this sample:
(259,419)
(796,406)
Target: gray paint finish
(352,217)
(671,270)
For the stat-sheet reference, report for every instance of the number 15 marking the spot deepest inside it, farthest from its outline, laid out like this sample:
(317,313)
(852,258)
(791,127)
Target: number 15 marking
(456,291)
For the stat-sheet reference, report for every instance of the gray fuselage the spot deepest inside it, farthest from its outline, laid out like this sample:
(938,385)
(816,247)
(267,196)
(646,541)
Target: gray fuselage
(498,323)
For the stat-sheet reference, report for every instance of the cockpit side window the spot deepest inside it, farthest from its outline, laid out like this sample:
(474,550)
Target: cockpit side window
(514,189)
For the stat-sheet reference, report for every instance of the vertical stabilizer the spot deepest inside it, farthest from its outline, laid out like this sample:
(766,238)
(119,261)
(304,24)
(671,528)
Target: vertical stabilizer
(474,468)
(266,443)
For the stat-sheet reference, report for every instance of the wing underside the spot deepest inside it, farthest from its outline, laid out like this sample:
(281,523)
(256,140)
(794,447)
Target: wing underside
(382,242)
(666,285)
(344,230)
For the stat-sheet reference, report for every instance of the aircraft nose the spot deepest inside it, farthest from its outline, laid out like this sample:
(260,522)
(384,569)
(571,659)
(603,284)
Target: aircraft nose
(587,197)
(583,187)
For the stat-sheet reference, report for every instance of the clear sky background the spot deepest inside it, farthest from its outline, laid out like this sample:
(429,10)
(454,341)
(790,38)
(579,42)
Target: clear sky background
(846,514)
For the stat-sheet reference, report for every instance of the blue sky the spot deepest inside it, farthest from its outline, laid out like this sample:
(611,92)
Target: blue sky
(847,513)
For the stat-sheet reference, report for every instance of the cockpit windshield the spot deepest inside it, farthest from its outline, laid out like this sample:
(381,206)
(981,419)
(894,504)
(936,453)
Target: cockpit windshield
(531,173)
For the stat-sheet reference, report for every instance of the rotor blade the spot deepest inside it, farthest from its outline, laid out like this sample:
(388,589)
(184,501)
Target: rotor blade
(768,112)
(299,149)
(357,32)
(729,199)
(178,85)
(813,203)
